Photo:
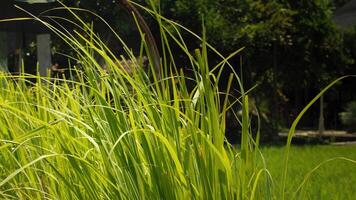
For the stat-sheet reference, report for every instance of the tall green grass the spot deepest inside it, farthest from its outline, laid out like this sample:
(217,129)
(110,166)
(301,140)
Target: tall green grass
(111,134)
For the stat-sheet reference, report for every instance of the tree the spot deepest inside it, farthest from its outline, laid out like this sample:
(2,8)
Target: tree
(292,47)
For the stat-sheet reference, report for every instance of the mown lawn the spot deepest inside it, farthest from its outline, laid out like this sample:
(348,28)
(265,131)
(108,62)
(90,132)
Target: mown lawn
(333,180)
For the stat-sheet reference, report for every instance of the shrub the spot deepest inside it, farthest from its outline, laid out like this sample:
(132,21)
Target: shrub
(348,118)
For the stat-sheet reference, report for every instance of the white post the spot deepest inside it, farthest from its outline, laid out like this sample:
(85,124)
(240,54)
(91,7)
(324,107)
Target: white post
(44,53)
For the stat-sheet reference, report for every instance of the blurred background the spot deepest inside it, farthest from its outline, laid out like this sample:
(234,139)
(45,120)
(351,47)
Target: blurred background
(292,49)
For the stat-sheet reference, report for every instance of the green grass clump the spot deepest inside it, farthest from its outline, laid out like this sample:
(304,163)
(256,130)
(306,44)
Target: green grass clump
(116,134)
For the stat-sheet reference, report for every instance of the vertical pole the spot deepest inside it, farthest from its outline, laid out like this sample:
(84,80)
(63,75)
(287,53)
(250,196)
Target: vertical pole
(14,51)
(44,53)
(321,116)
(275,111)
(3,51)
